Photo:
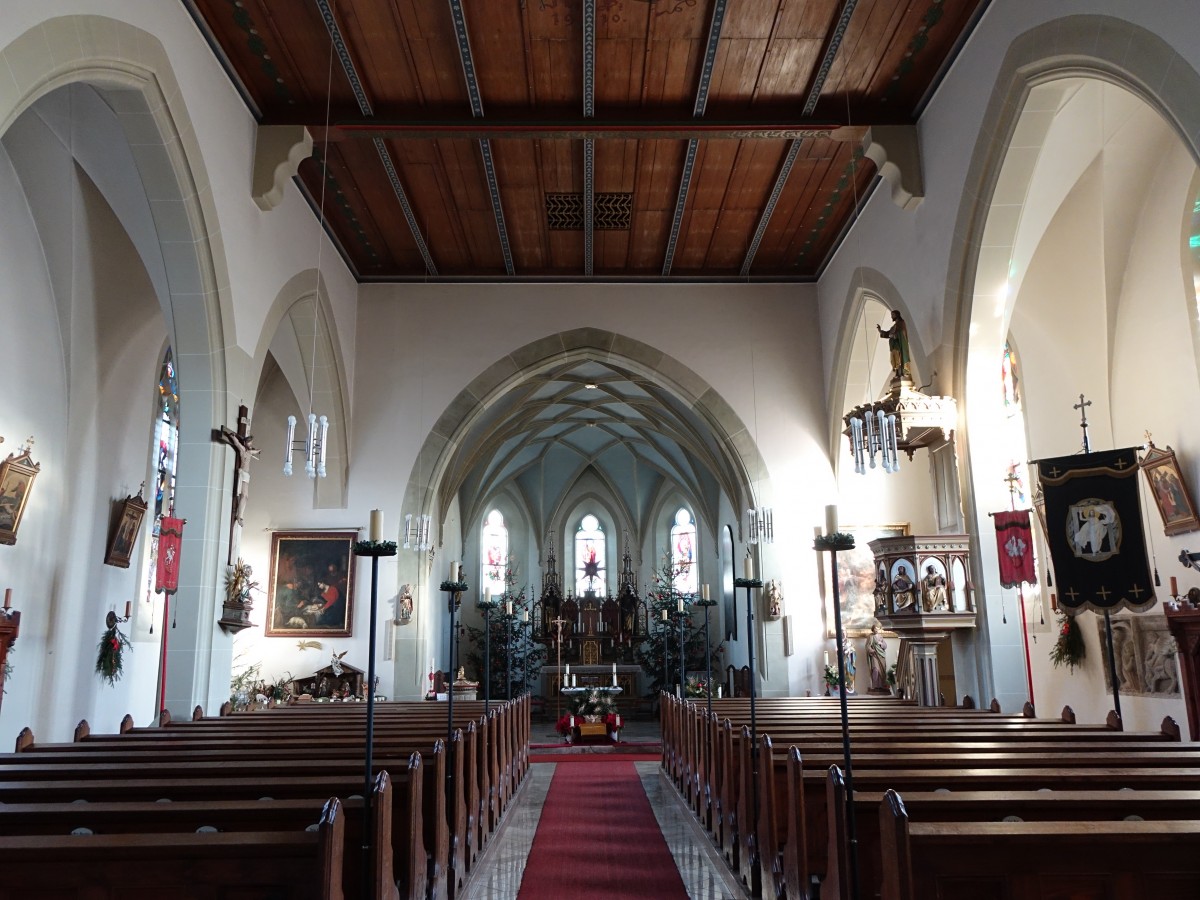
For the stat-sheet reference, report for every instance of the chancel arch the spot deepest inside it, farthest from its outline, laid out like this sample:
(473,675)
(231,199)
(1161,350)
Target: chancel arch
(1077,255)
(107,112)
(590,423)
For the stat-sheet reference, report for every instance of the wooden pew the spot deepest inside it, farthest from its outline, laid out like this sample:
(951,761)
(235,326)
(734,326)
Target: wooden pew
(249,816)
(249,865)
(978,806)
(423,848)
(1117,860)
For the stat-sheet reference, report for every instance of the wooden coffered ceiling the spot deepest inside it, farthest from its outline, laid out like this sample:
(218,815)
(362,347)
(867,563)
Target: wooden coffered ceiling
(586,139)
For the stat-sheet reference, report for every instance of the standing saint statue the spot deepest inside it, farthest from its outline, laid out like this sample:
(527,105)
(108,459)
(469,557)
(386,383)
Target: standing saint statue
(897,338)
(848,657)
(877,660)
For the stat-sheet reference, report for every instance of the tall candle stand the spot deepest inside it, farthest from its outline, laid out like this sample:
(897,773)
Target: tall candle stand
(374,550)
(707,604)
(487,604)
(832,543)
(509,649)
(682,615)
(751,584)
(454,591)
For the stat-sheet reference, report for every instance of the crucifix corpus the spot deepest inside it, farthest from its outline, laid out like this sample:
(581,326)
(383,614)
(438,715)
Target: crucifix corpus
(244,451)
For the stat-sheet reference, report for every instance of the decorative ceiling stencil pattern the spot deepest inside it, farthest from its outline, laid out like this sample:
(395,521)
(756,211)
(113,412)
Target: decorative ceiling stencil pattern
(451,122)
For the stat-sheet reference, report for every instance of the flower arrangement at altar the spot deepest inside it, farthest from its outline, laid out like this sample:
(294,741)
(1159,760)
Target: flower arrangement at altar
(696,687)
(565,725)
(595,706)
(1069,650)
(831,677)
(110,653)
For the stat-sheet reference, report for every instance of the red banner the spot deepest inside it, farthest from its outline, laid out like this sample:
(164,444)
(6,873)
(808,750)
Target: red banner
(1014,545)
(170,537)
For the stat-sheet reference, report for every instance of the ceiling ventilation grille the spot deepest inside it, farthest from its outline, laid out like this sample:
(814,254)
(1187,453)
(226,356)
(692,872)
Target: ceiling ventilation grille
(612,212)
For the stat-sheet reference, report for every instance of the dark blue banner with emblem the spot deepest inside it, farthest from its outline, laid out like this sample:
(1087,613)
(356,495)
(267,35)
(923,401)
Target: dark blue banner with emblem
(1094,528)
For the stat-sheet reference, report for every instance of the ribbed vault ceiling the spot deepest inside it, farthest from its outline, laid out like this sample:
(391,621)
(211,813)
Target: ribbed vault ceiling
(584,418)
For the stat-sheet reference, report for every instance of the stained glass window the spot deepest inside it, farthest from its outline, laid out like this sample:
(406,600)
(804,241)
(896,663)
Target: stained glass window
(683,552)
(493,552)
(589,557)
(166,450)
(1014,425)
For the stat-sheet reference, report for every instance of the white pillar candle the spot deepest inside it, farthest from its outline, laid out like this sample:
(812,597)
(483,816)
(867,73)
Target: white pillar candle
(376,533)
(831,519)
(679,605)
(826,657)
(487,595)
(748,567)
(453,570)
(568,669)
(524,615)
(508,607)
(664,612)
(8,596)
(704,592)
(614,668)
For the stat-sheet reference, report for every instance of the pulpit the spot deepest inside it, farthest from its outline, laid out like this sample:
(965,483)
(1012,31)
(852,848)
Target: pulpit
(923,593)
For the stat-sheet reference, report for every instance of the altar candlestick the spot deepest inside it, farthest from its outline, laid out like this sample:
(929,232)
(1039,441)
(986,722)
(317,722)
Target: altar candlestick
(568,669)
(827,657)
(8,598)
(1174,589)
(614,668)
(614,679)
(574,681)
(376,526)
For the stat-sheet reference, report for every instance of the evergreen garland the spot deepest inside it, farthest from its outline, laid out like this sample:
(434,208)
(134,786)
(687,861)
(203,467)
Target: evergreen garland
(110,654)
(1069,650)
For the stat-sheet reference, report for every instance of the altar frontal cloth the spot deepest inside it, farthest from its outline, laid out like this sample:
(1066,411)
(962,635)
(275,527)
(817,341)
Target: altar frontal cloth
(1094,528)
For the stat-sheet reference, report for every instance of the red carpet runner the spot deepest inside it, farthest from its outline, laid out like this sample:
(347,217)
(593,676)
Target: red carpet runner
(598,838)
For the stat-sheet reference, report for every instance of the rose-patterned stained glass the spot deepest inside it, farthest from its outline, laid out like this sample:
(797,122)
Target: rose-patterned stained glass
(166,457)
(493,552)
(683,553)
(590,574)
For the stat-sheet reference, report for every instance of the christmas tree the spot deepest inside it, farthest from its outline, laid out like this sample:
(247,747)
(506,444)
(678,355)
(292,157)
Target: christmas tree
(515,659)
(659,654)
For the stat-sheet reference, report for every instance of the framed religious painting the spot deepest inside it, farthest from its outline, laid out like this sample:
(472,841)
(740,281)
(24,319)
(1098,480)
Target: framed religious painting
(17,474)
(856,579)
(311,587)
(124,531)
(1169,491)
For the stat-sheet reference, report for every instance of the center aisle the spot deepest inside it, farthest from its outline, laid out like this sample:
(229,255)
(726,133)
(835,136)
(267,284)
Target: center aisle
(598,838)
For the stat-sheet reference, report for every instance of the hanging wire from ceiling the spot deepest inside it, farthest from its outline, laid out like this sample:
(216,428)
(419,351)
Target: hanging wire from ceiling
(316,442)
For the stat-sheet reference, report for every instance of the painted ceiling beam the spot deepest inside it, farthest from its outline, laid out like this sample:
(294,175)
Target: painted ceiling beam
(485,145)
(689,162)
(589,146)
(570,129)
(810,104)
(364,106)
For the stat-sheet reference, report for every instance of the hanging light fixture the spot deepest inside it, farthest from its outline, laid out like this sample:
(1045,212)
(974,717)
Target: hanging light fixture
(760,525)
(315,442)
(416,532)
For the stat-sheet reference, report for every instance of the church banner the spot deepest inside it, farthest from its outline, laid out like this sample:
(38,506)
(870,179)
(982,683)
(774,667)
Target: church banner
(170,537)
(1094,528)
(1014,543)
